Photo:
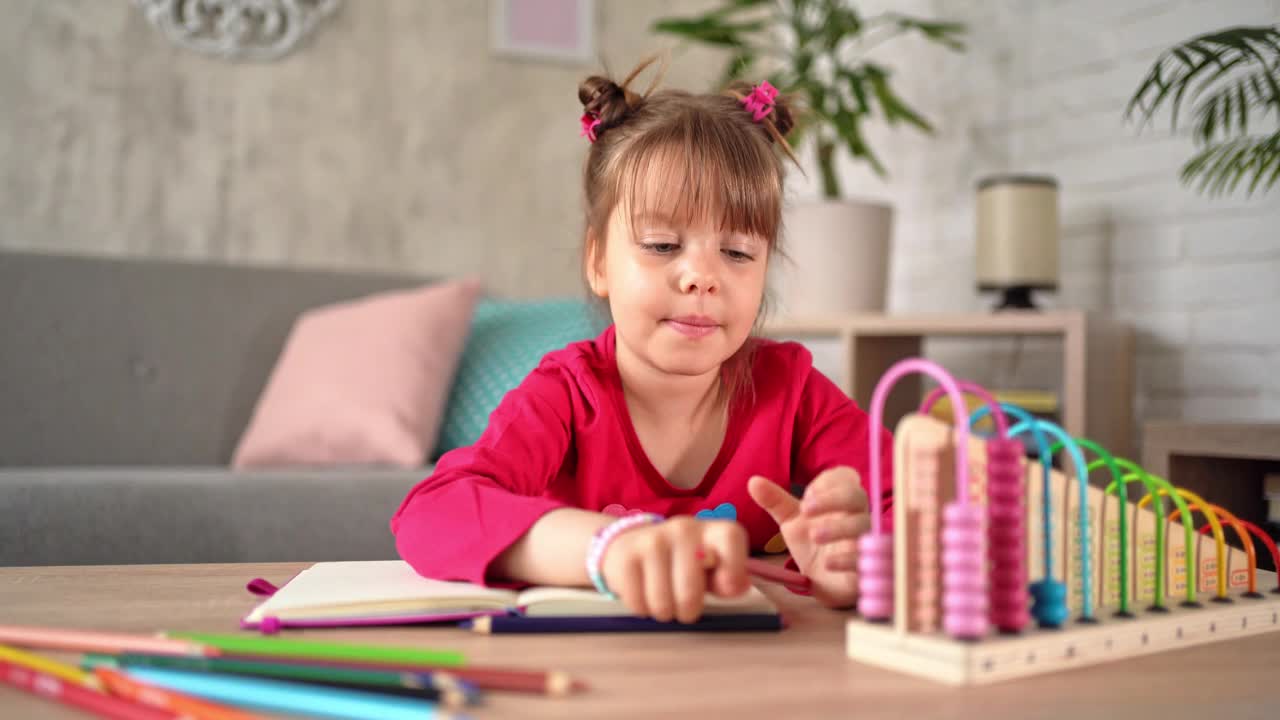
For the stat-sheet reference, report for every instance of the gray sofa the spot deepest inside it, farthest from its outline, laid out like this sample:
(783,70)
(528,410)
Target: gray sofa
(124,387)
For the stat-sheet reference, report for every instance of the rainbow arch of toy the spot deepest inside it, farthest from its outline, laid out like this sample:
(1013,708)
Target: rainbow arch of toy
(974,535)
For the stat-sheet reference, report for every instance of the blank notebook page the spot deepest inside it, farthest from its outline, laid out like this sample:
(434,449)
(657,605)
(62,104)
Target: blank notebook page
(375,582)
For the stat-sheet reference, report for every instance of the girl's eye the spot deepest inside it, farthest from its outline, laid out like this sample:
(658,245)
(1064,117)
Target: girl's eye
(662,248)
(738,256)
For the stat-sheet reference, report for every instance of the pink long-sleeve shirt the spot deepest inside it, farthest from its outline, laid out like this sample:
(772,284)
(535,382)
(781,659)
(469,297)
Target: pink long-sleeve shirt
(564,438)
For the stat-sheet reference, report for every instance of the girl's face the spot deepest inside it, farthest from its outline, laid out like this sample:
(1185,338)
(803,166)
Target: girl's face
(684,293)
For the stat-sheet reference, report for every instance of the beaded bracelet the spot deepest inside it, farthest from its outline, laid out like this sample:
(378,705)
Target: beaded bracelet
(600,541)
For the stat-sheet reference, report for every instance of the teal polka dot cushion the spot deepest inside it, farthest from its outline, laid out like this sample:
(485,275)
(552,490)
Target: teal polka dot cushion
(508,339)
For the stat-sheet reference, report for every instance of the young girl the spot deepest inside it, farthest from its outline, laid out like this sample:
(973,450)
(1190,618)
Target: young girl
(624,461)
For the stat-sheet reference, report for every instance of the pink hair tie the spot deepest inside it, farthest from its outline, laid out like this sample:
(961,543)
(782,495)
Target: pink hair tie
(760,102)
(589,122)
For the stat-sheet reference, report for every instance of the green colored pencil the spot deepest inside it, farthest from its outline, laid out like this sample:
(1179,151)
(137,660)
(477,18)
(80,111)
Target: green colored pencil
(321,650)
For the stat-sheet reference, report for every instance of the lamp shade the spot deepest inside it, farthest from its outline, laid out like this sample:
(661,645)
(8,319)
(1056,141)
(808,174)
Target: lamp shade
(1017,232)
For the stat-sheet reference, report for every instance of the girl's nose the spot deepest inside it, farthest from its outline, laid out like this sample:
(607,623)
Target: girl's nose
(698,276)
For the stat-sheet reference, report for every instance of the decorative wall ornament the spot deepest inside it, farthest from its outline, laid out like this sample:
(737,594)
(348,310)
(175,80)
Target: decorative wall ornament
(555,30)
(259,30)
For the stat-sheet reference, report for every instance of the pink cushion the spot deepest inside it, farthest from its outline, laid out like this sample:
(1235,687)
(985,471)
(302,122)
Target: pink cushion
(362,382)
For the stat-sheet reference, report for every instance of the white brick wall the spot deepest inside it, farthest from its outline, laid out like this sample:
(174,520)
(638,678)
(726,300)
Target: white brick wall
(1043,88)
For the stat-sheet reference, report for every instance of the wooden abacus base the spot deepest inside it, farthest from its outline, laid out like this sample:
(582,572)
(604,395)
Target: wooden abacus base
(1035,651)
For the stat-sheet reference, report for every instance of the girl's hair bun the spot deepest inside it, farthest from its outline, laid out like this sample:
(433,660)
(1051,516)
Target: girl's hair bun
(611,102)
(605,99)
(783,116)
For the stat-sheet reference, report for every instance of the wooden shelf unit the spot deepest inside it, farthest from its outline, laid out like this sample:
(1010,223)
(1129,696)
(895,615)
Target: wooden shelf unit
(1097,360)
(1225,463)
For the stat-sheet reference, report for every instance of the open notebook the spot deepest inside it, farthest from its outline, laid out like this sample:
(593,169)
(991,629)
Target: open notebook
(384,592)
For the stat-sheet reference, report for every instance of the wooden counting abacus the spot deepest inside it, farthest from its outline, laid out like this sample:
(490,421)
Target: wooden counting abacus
(996,567)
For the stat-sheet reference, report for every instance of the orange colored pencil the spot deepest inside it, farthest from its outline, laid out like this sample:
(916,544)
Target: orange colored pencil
(121,685)
(100,642)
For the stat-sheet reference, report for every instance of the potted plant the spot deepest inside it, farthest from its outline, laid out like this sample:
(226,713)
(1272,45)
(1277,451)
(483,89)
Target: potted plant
(815,49)
(1238,70)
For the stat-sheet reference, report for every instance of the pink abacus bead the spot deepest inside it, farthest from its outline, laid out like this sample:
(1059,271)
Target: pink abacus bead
(964,587)
(874,585)
(965,626)
(875,576)
(964,603)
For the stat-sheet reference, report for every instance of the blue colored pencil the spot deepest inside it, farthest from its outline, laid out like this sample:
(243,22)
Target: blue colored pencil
(502,624)
(289,697)
(439,687)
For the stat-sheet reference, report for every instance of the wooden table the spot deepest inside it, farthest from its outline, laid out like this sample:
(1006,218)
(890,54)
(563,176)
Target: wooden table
(799,673)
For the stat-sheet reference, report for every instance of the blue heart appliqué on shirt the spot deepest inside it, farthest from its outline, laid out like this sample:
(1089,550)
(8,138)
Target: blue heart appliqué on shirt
(723,511)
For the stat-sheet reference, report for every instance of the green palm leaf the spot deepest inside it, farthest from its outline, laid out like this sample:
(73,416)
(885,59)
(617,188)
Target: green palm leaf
(1235,100)
(1219,168)
(1231,75)
(1217,53)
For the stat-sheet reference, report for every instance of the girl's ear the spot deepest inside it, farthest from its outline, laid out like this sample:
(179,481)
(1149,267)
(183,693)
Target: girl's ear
(594,264)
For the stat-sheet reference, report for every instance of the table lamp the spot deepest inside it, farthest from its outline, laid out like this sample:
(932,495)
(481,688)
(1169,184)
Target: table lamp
(1017,228)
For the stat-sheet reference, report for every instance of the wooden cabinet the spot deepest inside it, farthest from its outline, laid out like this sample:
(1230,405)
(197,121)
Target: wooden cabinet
(1225,463)
(1096,360)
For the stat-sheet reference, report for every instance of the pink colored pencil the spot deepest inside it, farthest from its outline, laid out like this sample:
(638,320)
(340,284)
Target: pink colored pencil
(79,696)
(768,571)
(109,643)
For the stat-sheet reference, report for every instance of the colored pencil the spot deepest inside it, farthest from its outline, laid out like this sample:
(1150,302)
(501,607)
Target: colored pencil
(451,699)
(543,682)
(255,645)
(429,686)
(288,697)
(86,641)
(76,695)
(776,573)
(39,663)
(245,647)
(608,624)
(765,570)
(121,685)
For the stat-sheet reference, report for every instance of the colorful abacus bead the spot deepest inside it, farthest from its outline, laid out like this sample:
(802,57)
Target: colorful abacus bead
(875,576)
(1005,535)
(1049,606)
(964,587)
(1009,600)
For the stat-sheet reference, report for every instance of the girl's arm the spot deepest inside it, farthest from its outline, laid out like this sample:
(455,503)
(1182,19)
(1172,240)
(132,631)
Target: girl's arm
(831,456)
(832,431)
(481,516)
(554,550)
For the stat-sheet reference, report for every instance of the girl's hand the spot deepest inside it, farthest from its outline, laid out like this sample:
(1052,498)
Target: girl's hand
(821,530)
(661,570)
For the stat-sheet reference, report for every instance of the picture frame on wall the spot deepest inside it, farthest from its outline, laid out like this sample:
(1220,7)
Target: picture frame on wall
(553,30)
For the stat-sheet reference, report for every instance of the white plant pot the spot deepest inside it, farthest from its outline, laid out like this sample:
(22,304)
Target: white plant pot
(837,258)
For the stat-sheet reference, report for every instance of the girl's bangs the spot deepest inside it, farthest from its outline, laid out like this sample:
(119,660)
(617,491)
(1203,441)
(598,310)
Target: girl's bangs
(692,174)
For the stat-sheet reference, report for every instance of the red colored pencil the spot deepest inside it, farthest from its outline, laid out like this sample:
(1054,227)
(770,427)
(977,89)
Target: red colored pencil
(71,694)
